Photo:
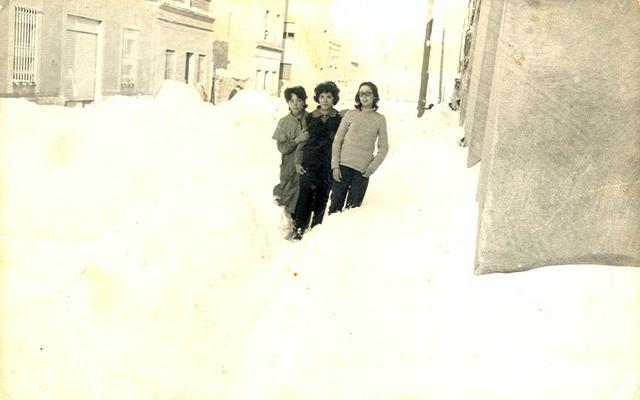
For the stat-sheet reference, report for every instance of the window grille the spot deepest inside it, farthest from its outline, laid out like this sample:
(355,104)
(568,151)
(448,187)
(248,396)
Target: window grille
(201,68)
(25,50)
(170,64)
(129,57)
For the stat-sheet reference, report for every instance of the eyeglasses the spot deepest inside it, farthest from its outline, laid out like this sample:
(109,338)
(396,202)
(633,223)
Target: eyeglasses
(365,94)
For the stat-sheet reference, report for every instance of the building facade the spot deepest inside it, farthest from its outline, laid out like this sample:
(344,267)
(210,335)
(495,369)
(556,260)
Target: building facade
(71,52)
(272,44)
(316,54)
(253,37)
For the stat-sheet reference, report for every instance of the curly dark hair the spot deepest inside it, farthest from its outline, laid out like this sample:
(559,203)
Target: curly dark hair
(298,91)
(327,87)
(376,97)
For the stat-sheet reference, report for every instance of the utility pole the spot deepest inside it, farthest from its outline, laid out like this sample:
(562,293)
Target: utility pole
(460,49)
(284,41)
(424,76)
(441,90)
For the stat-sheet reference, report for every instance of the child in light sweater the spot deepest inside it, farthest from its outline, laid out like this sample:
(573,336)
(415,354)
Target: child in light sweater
(352,160)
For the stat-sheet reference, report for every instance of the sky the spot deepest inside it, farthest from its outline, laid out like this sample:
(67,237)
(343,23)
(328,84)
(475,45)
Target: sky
(143,257)
(389,38)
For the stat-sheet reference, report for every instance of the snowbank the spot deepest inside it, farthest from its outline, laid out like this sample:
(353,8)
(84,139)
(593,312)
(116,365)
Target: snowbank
(143,257)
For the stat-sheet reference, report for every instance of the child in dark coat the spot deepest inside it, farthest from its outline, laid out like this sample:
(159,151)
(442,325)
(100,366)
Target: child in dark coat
(313,159)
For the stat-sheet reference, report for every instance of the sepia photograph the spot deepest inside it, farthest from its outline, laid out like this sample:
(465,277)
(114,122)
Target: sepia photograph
(319,199)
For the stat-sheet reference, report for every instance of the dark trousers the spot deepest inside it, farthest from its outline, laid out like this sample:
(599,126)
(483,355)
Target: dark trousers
(312,198)
(351,188)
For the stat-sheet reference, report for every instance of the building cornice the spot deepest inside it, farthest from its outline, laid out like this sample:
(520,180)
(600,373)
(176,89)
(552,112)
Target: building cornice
(270,46)
(187,12)
(173,21)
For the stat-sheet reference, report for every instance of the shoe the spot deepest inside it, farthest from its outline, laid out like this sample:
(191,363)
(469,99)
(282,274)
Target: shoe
(297,234)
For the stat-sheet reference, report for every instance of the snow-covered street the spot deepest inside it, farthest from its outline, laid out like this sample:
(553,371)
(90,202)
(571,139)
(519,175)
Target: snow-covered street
(143,257)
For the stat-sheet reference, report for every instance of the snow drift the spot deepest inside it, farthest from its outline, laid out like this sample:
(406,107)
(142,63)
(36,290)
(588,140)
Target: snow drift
(144,258)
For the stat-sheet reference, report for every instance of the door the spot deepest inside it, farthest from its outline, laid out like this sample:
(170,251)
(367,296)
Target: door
(80,65)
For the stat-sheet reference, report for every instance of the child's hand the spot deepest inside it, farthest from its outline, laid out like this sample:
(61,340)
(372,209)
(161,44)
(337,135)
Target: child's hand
(337,175)
(302,137)
(300,170)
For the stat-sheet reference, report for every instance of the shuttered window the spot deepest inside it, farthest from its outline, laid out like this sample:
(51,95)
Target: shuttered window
(170,64)
(202,67)
(129,57)
(285,71)
(25,50)
(202,5)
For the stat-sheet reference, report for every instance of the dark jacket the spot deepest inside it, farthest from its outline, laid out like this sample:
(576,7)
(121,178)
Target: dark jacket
(316,151)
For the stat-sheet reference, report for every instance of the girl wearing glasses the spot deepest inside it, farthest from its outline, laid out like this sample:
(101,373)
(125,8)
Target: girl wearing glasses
(352,160)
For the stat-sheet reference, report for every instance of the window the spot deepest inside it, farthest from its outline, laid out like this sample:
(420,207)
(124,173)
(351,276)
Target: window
(129,57)
(257,80)
(285,71)
(170,64)
(201,68)
(201,5)
(25,50)
(274,83)
(188,68)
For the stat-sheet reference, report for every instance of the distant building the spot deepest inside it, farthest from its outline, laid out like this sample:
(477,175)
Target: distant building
(72,52)
(254,38)
(335,65)
(320,56)
(272,44)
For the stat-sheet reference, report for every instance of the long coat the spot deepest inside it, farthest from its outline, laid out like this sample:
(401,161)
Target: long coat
(286,191)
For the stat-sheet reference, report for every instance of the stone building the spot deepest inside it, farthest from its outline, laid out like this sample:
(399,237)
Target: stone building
(552,117)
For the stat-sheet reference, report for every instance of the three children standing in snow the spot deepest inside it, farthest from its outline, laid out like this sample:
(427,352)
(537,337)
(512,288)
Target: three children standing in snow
(327,153)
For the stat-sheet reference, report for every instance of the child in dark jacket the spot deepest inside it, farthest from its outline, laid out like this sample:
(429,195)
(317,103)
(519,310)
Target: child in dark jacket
(313,159)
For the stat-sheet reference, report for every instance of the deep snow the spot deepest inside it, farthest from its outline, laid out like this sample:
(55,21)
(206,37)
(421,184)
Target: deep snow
(144,258)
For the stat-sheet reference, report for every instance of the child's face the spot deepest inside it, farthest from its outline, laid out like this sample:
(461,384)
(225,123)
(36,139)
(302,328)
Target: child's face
(325,100)
(366,96)
(296,104)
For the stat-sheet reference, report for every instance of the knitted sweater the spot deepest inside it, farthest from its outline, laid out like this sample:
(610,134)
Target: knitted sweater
(356,138)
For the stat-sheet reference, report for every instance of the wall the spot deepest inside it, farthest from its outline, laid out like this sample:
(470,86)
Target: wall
(561,151)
